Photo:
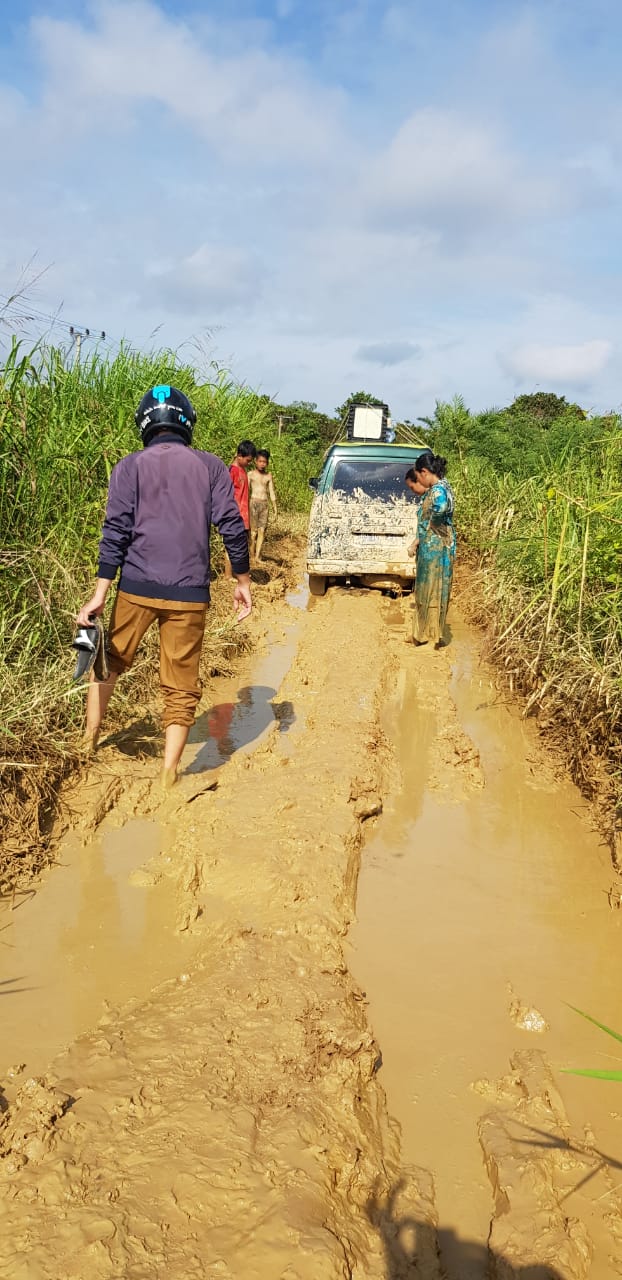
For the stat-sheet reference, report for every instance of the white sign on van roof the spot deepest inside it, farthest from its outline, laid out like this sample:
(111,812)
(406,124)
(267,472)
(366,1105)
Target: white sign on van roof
(367,423)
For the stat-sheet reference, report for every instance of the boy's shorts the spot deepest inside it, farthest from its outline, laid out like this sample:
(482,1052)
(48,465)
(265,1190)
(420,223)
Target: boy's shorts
(182,626)
(259,515)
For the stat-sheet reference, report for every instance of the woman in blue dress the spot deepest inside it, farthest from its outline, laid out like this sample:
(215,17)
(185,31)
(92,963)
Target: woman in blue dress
(436,549)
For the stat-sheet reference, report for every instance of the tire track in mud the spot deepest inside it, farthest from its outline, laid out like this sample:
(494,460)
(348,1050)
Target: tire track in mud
(232,1125)
(450,904)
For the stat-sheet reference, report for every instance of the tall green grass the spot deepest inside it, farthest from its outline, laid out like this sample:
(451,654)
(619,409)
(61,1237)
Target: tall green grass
(62,429)
(549,544)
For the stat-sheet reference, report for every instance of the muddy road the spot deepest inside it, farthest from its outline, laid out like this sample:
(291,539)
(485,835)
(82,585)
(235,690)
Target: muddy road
(215,1063)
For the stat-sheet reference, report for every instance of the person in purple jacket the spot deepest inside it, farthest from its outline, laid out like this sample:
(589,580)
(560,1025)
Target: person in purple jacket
(162,502)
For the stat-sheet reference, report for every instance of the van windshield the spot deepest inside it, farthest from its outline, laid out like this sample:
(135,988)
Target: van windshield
(382,480)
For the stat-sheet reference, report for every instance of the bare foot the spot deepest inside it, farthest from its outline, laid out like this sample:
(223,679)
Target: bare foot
(168,778)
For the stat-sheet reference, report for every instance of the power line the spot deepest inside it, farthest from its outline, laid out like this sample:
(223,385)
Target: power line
(21,311)
(15,308)
(18,310)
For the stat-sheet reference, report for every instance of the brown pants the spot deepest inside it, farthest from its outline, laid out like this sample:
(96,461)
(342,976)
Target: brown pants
(181,638)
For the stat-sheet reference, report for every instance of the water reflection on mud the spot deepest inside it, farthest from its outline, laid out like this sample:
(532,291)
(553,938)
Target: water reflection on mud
(88,935)
(228,726)
(92,932)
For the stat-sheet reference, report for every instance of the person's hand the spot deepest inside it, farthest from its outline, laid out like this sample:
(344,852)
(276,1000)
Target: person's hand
(96,604)
(94,607)
(412,550)
(242,601)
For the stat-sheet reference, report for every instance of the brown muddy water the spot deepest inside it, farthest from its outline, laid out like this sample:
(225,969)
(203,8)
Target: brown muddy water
(97,932)
(481,911)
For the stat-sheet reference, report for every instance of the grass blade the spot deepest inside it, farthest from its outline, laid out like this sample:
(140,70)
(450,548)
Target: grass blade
(601,1025)
(596,1075)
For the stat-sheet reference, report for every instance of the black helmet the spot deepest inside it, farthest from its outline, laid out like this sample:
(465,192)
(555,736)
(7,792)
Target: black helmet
(165,407)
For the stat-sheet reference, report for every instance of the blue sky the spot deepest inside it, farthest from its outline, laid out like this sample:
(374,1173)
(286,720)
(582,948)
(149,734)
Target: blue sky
(420,198)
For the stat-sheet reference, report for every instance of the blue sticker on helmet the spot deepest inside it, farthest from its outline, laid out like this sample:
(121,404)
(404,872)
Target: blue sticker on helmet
(161,393)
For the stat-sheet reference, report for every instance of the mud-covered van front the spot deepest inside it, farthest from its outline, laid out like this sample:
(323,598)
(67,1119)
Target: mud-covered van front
(363,517)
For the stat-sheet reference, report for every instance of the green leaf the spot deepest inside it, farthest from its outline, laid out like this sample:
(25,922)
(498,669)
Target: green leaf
(615,1035)
(596,1075)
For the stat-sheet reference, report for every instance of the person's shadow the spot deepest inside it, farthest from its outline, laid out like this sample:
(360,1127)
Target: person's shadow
(142,738)
(417,1250)
(225,728)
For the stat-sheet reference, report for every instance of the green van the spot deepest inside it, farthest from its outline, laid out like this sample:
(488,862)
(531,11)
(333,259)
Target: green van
(363,518)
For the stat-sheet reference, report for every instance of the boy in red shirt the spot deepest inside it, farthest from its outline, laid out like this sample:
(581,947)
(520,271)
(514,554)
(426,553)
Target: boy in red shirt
(239,475)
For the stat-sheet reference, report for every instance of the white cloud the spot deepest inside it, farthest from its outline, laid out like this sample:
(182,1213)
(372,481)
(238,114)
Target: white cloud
(572,365)
(261,103)
(598,163)
(213,280)
(446,171)
(388,353)
(194,172)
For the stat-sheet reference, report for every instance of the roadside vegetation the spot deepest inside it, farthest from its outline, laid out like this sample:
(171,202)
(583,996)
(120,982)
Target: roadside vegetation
(539,488)
(63,426)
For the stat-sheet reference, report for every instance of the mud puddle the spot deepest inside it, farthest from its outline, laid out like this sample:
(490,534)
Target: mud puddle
(231,1123)
(299,598)
(482,908)
(97,933)
(88,936)
(244,712)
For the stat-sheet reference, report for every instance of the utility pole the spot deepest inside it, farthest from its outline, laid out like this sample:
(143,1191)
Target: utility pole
(281,418)
(79,335)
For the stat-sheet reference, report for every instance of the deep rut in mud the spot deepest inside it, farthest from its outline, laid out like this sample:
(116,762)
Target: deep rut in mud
(483,906)
(226,1116)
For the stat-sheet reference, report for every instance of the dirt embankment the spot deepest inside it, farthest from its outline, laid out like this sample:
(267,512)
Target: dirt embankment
(574,697)
(232,1125)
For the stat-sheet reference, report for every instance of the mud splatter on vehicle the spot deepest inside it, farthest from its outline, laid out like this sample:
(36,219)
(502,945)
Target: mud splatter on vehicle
(363,520)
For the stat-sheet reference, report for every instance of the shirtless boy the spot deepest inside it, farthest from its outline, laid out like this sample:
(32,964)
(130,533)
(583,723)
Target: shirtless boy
(261,487)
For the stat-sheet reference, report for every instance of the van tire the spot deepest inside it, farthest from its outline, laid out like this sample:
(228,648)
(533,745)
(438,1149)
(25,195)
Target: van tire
(317,584)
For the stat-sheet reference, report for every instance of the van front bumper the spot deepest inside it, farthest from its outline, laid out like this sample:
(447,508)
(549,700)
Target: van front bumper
(360,567)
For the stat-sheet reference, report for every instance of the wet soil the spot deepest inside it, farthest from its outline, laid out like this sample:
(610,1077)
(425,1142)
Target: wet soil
(221,1124)
(102,928)
(193,1079)
(484,905)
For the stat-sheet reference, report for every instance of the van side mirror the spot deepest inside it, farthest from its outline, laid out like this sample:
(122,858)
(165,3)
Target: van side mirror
(313,482)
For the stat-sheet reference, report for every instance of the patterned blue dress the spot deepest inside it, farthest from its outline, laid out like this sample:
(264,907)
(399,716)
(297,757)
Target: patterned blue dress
(435,563)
